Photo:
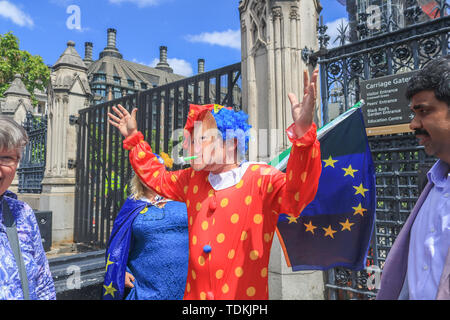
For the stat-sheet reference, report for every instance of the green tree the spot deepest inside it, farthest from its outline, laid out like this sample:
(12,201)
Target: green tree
(35,74)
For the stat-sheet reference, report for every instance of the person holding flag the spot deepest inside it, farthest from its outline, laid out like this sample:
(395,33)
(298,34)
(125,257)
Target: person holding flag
(233,205)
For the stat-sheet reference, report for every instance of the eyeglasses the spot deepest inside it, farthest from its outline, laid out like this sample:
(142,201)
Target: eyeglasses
(8,161)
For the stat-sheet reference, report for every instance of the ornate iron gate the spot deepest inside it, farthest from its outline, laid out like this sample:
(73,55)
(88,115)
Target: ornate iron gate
(102,166)
(32,165)
(398,159)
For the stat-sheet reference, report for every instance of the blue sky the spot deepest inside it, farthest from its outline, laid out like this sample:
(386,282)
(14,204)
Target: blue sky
(191,29)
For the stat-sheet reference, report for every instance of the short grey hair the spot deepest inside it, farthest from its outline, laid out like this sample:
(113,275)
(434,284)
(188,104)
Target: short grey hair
(12,135)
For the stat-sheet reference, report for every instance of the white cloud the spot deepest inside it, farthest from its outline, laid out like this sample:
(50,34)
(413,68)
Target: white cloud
(17,16)
(179,66)
(333,32)
(229,38)
(139,3)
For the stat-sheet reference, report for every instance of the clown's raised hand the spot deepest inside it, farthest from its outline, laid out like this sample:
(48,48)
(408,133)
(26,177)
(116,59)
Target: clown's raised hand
(124,121)
(303,112)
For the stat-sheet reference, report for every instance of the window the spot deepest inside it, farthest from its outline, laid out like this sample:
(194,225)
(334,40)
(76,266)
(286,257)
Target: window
(131,83)
(143,85)
(117,80)
(99,77)
(117,93)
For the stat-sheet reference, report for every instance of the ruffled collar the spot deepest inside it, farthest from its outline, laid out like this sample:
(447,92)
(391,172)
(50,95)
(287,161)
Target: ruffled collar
(229,178)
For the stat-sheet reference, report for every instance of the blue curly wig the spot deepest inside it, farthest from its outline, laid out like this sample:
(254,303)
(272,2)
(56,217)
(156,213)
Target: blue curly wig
(233,125)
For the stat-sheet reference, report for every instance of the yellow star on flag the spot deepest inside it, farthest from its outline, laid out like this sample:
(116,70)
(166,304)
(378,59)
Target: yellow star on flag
(109,289)
(108,262)
(329,231)
(330,162)
(349,171)
(292,219)
(346,225)
(360,190)
(310,227)
(359,210)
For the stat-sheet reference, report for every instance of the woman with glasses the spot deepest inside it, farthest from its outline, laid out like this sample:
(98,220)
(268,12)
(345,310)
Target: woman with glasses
(24,270)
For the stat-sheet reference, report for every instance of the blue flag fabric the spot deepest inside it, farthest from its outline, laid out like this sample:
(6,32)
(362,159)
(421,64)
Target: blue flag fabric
(343,2)
(118,248)
(336,227)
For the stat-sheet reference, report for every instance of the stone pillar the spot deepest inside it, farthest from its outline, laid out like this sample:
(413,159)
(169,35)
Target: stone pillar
(163,64)
(68,92)
(273,34)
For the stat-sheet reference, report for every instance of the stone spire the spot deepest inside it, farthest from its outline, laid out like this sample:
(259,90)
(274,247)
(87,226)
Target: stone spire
(111,49)
(17,88)
(162,64)
(70,58)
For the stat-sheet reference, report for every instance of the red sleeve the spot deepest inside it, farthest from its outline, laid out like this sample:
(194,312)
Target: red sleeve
(292,191)
(146,165)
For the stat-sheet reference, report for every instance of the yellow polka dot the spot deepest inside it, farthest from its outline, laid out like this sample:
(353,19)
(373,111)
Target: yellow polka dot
(314,152)
(238,272)
(269,188)
(192,173)
(194,240)
(297,196)
(224,202)
(244,235)
(185,189)
(248,200)
(173,178)
(158,189)
(211,193)
(264,272)
(303,176)
(188,203)
(231,254)
(225,288)
(155,174)
(255,167)
(202,296)
(201,260)
(240,184)
(188,287)
(198,206)
(214,221)
(280,200)
(234,218)
(267,237)
(205,225)
(290,175)
(220,238)
(257,218)
(219,274)
(191,220)
(259,182)
(254,254)
(251,291)
(266,171)
(195,189)
(141,155)
(194,275)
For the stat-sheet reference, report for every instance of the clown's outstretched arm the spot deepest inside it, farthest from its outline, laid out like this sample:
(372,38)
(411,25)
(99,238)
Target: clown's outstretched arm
(295,189)
(169,184)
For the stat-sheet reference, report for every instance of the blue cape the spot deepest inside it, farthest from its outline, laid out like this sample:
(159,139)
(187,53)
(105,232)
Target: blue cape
(118,249)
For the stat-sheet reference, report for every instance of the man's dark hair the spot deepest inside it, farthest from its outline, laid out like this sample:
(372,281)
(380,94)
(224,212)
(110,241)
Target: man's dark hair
(434,76)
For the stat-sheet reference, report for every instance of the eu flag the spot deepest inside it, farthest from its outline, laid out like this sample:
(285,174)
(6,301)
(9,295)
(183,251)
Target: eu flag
(336,227)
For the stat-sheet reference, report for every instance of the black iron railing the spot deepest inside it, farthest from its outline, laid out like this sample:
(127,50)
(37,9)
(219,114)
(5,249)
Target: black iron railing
(32,165)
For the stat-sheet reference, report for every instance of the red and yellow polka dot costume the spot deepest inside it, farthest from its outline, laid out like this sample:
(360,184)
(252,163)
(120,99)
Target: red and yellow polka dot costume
(231,230)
